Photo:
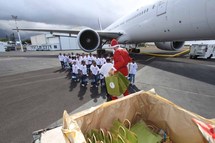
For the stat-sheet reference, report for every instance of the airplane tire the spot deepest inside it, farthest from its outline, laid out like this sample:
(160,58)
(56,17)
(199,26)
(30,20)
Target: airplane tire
(134,50)
(195,57)
(210,56)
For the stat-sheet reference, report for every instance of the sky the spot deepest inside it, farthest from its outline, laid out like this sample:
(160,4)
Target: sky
(63,14)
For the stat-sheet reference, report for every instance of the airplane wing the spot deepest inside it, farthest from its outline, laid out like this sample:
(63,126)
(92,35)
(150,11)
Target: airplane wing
(91,39)
(109,35)
(103,34)
(75,32)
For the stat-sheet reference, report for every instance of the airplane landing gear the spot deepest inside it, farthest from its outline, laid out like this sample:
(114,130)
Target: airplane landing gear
(134,50)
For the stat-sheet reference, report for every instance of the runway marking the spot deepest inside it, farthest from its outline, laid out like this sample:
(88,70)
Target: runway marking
(213,66)
(28,77)
(32,82)
(149,59)
(166,87)
(11,58)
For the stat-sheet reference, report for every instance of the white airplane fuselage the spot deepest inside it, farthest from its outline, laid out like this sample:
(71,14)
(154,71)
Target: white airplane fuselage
(168,20)
(168,23)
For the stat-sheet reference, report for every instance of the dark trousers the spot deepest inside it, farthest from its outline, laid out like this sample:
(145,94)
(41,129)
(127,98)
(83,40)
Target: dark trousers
(95,79)
(131,78)
(74,77)
(84,79)
(62,64)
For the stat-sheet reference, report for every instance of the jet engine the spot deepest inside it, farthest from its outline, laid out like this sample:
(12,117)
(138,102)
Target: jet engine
(170,46)
(88,40)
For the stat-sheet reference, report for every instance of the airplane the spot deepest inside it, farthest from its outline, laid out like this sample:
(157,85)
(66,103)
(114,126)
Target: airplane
(167,23)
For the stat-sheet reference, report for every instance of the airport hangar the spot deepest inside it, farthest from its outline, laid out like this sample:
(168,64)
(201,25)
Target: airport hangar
(50,42)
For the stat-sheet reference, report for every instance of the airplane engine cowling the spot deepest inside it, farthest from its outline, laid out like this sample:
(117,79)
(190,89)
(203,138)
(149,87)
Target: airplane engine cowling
(88,40)
(170,46)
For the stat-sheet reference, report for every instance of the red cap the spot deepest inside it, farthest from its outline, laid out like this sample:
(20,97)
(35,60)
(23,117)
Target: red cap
(114,43)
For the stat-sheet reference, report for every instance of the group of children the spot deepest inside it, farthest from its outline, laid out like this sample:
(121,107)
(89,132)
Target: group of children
(88,67)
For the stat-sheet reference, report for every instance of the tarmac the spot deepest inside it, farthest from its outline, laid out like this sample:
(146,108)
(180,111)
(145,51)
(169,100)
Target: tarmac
(34,91)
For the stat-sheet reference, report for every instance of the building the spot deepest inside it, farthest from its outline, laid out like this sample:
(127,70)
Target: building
(3,46)
(49,42)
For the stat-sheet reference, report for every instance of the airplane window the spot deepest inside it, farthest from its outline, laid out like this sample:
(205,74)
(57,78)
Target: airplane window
(153,6)
(55,46)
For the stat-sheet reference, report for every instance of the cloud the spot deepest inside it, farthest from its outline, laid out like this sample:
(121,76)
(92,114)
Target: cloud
(63,14)
(8,25)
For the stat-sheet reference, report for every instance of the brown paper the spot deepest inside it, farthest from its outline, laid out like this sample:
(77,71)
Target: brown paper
(152,108)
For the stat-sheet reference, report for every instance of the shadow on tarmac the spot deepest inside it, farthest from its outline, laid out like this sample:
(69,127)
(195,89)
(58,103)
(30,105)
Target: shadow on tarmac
(73,85)
(59,71)
(95,92)
(133,88)
(82,91)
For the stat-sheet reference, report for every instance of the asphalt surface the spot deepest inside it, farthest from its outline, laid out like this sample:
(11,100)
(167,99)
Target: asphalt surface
(34,91)
(188,83)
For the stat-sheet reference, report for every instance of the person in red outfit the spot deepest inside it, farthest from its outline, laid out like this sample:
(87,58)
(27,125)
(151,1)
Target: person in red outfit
(121,58)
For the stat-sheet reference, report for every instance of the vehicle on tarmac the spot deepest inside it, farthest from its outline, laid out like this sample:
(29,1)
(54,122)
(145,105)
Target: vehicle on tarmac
(205,51)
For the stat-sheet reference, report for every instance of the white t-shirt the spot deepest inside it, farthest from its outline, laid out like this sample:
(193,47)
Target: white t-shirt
(103,61)
(60,57)
(132,68)
(105,69)
(94,69)
(90,59)
(83,69)
(75,69)
(82,59)
(66,59)
(78,62)
(70,60)
(86,60)
(98,61)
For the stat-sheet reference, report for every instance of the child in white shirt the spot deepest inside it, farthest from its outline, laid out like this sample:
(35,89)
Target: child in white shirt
(132,71)
(94,69)
(83,73)
(75,69)
(104,72)
(61,58)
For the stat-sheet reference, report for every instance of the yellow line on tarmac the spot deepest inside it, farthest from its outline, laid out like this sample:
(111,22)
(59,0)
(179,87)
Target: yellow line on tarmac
(169,56)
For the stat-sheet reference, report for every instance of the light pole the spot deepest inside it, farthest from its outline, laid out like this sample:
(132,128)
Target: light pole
(15,18)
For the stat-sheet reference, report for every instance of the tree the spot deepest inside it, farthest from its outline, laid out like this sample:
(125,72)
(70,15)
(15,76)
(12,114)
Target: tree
(26,41)
(3,39)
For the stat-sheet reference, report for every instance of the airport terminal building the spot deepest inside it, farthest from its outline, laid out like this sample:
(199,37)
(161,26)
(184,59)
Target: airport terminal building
(50,42)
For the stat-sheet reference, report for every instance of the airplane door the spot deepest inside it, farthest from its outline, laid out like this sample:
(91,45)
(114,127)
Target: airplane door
(161,7)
